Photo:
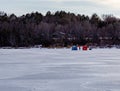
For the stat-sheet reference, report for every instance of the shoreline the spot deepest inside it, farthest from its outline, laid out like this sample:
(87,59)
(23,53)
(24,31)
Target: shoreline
(93,47)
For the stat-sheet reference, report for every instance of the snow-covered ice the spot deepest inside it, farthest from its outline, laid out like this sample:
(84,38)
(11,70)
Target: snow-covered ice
(59,70)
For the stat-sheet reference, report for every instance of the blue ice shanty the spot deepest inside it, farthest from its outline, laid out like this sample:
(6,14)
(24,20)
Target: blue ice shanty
(74,48)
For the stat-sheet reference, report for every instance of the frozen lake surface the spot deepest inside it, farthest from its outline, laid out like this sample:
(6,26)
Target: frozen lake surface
(59,70)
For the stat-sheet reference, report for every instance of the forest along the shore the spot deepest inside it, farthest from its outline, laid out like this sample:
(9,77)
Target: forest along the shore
(58,29)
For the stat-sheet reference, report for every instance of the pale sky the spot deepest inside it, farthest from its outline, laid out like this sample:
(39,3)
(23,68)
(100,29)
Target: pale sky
(87,7)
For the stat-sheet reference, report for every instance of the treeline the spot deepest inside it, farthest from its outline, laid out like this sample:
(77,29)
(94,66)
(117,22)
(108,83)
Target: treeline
(58,29)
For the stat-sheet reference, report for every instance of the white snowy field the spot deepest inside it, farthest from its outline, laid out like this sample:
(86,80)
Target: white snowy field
(59,70)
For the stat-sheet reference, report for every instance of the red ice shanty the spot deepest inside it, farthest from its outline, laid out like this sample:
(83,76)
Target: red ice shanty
(85,48)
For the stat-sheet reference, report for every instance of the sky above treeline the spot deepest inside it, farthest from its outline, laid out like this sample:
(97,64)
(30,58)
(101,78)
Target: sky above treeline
(87,7)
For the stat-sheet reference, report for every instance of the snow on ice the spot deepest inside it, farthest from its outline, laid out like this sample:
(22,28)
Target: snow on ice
(59,70)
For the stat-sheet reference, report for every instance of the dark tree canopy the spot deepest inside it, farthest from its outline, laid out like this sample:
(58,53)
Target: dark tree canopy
(58,29)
